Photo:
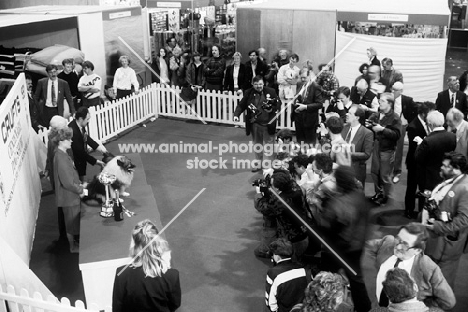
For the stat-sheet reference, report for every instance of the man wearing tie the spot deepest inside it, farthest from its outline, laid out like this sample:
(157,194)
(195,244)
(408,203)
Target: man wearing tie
(50,95)
(452,97)
(80,142)
(405,108)
(406,251)
(305,112)
(417,131)
(361,139)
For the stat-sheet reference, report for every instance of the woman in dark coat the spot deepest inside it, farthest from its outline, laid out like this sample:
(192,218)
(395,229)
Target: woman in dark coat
(235,78)
(149,283)
(161,66)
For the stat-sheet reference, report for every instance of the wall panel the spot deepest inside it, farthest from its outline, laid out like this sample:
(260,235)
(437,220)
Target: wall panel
(276,31)
(313,36)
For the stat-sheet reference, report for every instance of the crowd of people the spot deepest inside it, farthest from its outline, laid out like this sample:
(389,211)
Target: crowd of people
(315,213)
(314,209)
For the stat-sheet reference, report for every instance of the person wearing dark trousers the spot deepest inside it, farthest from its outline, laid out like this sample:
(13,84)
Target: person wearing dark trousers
(361,138)
(261,104)
(430,153)
(344,224)
(405,108)
(417,131)
(305,114)
(51,94)
(387,129)
(81,140)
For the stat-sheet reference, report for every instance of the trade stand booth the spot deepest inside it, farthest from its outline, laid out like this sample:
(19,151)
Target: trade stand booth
(412,33)
(94,30)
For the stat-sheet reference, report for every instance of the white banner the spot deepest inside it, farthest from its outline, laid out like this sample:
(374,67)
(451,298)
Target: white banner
(421,61)
(20,186)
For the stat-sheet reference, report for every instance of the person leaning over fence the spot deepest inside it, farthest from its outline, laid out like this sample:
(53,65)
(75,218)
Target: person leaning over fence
(125,78)
(148,283)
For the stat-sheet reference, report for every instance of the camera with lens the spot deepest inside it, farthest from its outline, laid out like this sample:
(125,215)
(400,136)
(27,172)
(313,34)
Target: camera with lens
(268,104)
(433,208)
(254,111)
(263,185)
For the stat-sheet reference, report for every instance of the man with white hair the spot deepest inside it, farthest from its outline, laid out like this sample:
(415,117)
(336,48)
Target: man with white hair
(460,127)
(365,98)
(430,153)
(405,108)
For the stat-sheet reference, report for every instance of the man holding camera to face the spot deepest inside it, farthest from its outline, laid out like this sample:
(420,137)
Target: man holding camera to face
(445,215)
(387,129)
(261,104)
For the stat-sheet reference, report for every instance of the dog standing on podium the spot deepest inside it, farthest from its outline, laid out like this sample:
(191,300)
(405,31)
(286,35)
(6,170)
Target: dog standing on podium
(122,168)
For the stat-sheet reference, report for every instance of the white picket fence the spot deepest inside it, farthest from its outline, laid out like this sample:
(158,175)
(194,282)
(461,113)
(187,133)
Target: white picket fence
(111,119)
(24,302)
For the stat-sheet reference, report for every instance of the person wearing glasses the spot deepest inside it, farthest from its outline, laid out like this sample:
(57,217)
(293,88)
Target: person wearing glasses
(406,251)
(261,104)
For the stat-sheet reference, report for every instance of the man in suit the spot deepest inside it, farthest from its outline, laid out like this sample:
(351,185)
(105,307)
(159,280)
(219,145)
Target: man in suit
(361,139)
(405,108)
(459,126)
(406,251)
(50,95)
(259,120)
(449,234)
(430,153)
(81,140)
(417,131)
(452,97)
(305,112)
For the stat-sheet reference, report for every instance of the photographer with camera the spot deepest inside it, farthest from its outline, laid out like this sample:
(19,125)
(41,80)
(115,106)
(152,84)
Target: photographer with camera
(270,205)
(341,102)
(448,205)
(387,129)
(261,104)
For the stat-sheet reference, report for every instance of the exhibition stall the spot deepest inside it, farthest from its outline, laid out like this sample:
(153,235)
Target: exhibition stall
(92,29)
(411,33)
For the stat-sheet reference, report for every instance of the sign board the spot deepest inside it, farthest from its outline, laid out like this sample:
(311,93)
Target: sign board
(388,17)
(161,4)
(20,186)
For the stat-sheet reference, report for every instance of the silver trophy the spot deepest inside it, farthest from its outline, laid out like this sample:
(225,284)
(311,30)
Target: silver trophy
(107,206)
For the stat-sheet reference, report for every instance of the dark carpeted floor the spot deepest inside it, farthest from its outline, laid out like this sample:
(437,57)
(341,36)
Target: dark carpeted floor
(213,240)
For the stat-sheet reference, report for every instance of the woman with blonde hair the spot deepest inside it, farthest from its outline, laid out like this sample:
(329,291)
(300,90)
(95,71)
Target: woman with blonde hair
(149,283)
(125,78)
(372,55)
(325,293)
